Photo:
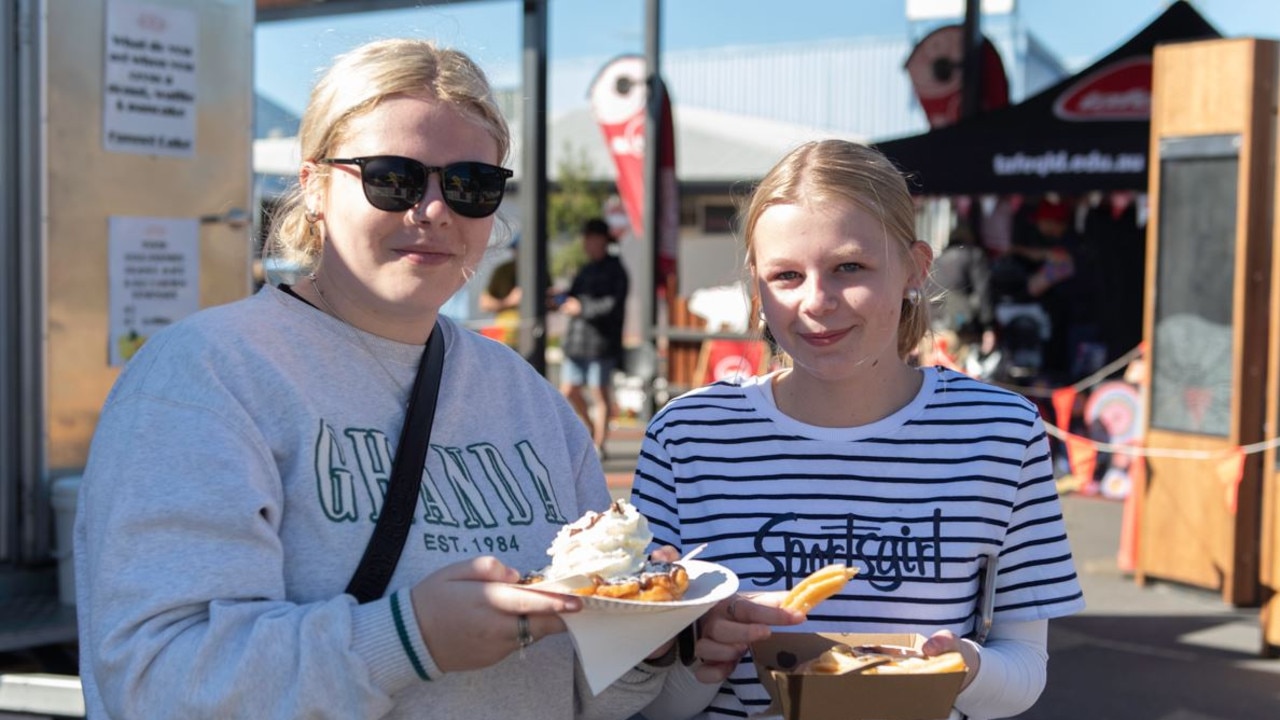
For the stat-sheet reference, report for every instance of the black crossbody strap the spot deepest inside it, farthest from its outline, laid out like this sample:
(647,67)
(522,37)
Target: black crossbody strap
(379,561)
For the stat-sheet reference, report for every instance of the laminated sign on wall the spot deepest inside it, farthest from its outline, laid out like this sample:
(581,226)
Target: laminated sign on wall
(149,92)
(154,271)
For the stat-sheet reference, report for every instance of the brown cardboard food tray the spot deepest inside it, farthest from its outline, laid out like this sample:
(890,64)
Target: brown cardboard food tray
(851,696)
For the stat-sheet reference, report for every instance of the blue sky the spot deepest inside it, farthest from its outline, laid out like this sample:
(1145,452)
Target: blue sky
(290,54)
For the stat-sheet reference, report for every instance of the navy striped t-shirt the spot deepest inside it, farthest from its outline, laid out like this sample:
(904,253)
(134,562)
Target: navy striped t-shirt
(915,501)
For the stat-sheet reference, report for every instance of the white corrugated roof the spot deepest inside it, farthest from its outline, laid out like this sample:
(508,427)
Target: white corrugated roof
(711,146)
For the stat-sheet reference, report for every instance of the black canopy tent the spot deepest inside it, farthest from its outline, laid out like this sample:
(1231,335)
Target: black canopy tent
(1088,132)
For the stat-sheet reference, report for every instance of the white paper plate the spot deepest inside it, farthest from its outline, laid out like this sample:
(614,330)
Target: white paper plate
(612,636)
(708,583)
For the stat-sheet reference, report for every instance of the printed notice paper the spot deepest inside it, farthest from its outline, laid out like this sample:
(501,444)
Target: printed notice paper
(149,93)
(154,273)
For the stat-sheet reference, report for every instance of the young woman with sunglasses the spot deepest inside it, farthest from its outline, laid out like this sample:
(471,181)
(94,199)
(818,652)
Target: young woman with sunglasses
(240,462)
(921,478)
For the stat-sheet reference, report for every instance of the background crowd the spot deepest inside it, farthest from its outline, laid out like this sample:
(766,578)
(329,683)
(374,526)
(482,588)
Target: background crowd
(1041,291)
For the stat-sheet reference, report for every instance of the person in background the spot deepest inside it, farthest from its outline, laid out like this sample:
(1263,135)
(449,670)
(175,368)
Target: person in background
(595,305)
(241,459)
(501,296)
(918,477)
(1113,228)
(960,295)
(1050,248)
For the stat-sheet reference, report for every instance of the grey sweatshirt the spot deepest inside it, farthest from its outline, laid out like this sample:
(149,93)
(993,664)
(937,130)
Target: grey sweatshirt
(232,486)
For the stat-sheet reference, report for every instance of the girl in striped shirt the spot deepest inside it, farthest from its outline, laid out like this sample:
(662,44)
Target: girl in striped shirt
(918,477)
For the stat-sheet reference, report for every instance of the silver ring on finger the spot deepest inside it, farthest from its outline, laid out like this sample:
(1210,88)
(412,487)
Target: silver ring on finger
(524,638)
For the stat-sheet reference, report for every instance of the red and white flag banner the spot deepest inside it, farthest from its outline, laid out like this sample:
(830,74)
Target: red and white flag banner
(618,102)
(936,69)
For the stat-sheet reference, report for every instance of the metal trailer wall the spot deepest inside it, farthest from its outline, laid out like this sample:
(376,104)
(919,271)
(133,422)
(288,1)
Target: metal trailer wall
(8,285)
(66,186)
(87,185)
(24,517)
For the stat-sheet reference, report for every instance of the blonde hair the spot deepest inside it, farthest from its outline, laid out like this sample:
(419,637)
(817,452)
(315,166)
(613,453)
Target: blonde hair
(840,171)
(353,86)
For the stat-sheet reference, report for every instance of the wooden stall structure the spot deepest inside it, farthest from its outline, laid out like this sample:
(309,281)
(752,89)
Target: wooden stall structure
(683,350)
(1269,557)
(1209,262)
(698,355)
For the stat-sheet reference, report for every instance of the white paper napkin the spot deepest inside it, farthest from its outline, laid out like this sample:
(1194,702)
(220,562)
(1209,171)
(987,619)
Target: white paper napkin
(612,636)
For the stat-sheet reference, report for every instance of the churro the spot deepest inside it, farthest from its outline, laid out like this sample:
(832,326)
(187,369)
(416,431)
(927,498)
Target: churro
(944,663)
(842,659)
(818,586)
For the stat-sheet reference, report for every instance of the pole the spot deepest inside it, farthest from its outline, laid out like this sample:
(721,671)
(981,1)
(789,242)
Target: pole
(646,274)
(532,251)
(971,87)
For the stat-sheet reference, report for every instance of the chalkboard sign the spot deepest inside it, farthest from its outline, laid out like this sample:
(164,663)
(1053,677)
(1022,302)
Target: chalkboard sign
(1191,361)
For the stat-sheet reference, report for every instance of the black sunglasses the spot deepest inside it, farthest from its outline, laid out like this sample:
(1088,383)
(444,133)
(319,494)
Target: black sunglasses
(395,184)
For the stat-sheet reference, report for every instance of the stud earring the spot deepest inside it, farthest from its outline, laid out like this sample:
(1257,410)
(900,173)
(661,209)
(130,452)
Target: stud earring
(913,296)
(765,331)
(311,217)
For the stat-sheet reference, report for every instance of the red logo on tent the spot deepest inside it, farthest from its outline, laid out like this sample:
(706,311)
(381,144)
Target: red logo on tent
(1119,91)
